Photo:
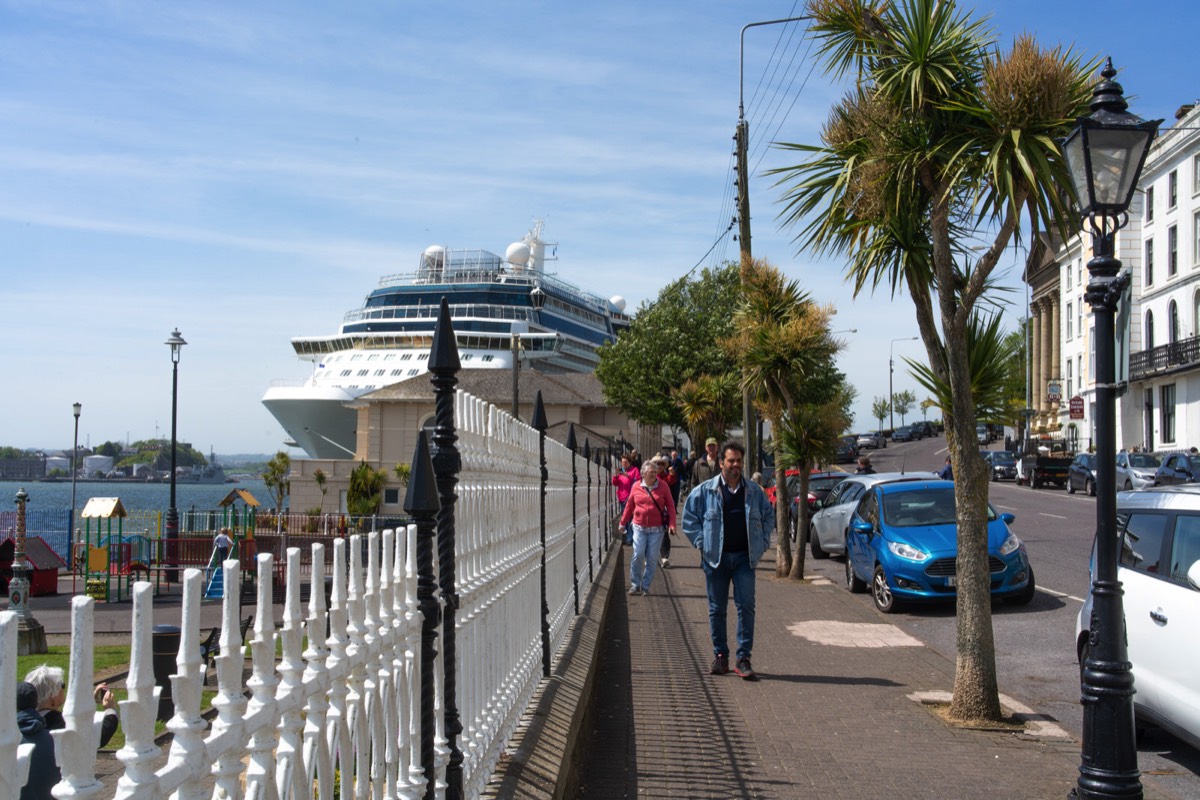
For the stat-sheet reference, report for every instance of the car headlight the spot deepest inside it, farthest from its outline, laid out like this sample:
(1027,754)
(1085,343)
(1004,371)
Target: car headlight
(907,551)
(1010,544)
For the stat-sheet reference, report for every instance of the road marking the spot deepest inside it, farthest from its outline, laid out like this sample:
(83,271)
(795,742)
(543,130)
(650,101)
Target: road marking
(853,634)
(1060,594)
(1044,514)
(1035,724)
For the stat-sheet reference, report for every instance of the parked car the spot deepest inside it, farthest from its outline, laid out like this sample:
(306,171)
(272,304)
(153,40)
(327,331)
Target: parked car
(925,429)
(982,435)
(827,527)
(1158,565)
(902,542)
(1003,464)
(820,484)
(1178,468)
(1082,474)
(1136,470)
(1042,467)
(846,453)
(904,433)
(874,440)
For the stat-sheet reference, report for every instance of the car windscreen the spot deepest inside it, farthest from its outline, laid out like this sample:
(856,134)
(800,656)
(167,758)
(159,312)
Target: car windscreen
(1004,459)
(1194,463)
(934,506)
(1143,460)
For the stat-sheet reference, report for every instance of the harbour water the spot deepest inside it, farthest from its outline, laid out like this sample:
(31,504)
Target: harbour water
(134,496)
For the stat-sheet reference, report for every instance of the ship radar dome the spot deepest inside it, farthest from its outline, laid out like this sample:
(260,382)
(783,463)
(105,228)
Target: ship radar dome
(618,302)
(435,254)
(517,254)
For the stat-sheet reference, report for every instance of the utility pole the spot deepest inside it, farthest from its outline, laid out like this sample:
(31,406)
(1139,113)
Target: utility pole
(742,137)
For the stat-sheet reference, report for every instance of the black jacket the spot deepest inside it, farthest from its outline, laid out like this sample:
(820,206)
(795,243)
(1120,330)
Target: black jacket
(108,726)
(43,769)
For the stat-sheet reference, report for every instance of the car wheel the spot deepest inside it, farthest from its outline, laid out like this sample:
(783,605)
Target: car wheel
(1034,483)
(1023,597)
(881,593)
(814,543)
(1090,487)
(1070,487)
(994,478)
(855,584)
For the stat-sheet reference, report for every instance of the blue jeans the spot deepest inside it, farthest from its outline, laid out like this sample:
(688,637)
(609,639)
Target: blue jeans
(734,568)
(628,529)
(646,542)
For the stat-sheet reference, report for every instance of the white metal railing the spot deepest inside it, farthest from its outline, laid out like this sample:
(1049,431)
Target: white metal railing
(343,701)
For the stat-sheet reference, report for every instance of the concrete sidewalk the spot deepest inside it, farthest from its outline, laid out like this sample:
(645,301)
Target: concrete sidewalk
(834,713)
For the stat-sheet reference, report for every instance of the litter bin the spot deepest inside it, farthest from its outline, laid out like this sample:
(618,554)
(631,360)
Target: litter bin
(165,646)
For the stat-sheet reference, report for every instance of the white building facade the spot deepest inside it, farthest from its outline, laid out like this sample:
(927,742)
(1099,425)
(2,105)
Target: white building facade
(1160,248)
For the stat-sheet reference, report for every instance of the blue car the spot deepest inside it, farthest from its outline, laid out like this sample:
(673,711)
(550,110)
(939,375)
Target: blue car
(902,542)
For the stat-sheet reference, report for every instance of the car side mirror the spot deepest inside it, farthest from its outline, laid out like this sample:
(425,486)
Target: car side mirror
(863,527)
(1008,518)
(818,504)
(1193,575)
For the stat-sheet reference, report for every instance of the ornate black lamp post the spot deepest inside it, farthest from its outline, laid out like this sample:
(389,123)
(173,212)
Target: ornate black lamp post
(31,636)
(1105,154)
(176,344)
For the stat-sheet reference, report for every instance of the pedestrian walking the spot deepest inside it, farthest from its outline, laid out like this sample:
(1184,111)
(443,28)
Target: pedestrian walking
(624,480)
(708,464)
(674,481)
(222,542)
(730,521)
(947,472)
(652,513)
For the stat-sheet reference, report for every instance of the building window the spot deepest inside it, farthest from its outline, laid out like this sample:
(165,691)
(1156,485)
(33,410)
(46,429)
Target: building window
(1196,239)
(412,372)
(362,373)
(1172,192)
(1172,250)
(1149,203)
(1078,318)
(1173,323)
(1092,350)
(1167,413)
(1070,378)
(1196,174)
(1149,262)
(1070,313)
(396,373)
(1079,372)
(345,373)
(1068,271)
(1079,271)
(487,358)
(1149,330)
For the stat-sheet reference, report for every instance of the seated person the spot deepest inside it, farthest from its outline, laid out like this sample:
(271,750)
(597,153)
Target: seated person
(43,769)
(52,693)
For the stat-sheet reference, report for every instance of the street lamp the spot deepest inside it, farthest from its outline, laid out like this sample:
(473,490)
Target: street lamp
(76,409)
(891,369)
(1105,154)
(176,344)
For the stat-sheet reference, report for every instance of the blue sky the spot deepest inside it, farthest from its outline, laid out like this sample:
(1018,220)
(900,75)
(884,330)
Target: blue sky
(247,172)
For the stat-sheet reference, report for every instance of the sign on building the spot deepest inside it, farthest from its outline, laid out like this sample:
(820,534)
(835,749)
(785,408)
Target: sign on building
(1054,391)
(1076,407)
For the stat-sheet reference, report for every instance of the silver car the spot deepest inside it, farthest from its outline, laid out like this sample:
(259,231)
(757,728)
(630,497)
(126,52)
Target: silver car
(827,527)
(872,440)
(1158,565)
(1136,470)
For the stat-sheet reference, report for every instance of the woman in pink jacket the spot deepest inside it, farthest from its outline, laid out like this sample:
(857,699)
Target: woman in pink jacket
(625,480)
(652,512)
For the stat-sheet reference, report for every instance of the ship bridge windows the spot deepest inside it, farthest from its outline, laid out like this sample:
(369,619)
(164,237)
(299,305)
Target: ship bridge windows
(362,372)
(346,373)
(412,372)
(405,356)
(396,373)
(379,373)
(422,356)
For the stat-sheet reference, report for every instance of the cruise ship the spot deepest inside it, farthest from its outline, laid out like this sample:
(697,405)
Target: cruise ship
(499,306)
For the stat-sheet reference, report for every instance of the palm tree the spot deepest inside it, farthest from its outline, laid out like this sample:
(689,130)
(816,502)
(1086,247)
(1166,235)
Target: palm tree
(322,481)
(943,137)
(365,491)
(783,346)
(708,403)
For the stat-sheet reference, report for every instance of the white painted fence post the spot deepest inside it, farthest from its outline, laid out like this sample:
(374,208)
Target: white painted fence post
(14,756)
(140,709)
(226,744)
(187,759)
(318,763)
(75,746)
(290,775)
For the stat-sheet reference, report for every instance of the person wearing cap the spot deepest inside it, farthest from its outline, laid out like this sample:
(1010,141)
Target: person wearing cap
(43,769)
(708,464)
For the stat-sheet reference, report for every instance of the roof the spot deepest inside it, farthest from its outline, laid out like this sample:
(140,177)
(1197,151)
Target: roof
(239,494)
(104,507)
(495,386)
(1179,497)
(37,553)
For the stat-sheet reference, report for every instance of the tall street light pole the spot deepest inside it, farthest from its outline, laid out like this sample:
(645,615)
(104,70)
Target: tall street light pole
(176,344)
(742,139)
(891,369)
(1105,154)
(76,409)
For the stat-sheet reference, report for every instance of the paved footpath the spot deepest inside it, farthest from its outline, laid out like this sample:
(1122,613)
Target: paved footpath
(831,716)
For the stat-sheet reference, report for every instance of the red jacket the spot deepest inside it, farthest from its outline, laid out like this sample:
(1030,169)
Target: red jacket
(646,508)
(624,481)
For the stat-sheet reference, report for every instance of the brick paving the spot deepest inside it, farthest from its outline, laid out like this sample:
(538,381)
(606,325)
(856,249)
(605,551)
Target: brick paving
(830,717)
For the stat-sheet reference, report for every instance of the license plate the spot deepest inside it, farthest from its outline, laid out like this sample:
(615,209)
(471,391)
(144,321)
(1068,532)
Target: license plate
(950,581)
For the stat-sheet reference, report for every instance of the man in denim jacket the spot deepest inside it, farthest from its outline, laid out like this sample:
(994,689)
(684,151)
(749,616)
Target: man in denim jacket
(730,521)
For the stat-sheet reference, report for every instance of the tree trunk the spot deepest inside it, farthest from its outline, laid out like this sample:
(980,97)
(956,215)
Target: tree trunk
(976,692)
(783,503)
(797,572)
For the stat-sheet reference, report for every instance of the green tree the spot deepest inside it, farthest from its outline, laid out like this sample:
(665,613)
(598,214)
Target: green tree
(879,409)
(365,491)
(322,481)
(781,343)
(277,477)
(903,402)
(943,140)
(927,404)
(671,340)
(708,404)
